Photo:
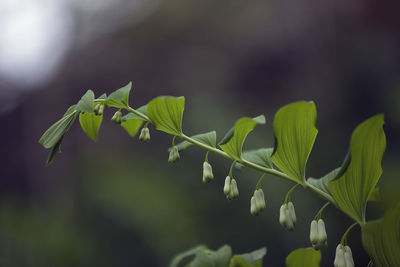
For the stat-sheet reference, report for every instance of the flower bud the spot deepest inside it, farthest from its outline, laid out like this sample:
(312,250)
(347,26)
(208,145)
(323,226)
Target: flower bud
(207,172)
(339,257)
(99,109)
(173,154)
(227,185)
(234,189)
(282,215)
(117,118)
(292,213)
(260,200)
(314,232)
(253,206)
(144,135)
(348,257)
(322,237)
(289,223)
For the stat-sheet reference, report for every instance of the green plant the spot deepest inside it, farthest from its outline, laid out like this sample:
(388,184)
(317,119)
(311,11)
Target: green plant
(348,187)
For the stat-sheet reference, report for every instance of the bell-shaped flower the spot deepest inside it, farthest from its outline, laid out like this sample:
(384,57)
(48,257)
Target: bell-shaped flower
(144,135)
(117,117)
(348,257)
(173,154)
(207,172)
(339,257)
(227,185)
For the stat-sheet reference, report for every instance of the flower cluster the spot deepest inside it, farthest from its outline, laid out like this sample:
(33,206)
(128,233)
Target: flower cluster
(144,135)
(287,216)
(207,172)
(173,154)
(257,203)
(318,236)
(99,109)
(230,188)
(117,118)
(344,257)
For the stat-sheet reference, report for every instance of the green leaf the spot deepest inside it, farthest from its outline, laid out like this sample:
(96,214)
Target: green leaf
(86,103)
(322,183)
(120,97)
(243,126)
(90,124)
(252,259)
(181,256)
(132,126)
(166,113)
(352,190)
(56,149)
(259,156)
(51,137)
(381,239)
(208,258)
(209,138)
(375,195)
(304,257)
(295,133)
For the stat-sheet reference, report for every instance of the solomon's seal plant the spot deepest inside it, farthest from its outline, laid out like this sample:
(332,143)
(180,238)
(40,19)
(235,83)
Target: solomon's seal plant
(348,188)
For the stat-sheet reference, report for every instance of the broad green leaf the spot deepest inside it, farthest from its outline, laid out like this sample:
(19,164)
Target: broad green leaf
(259,156)
(381,239)
(209,138)
(90,124)
(252,259)
(304,257)
(142,110)
(120,97)
(239,262)
(352,190)
(166,113)
(86,103)
(51,137)
(56,149)
(181,256)
(70,110)
(243,126)
(295,133)
(375,195)
(132,126)
(209,258)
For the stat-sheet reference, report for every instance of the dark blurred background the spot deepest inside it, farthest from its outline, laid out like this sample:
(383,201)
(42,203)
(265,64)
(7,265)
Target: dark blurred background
(118,202)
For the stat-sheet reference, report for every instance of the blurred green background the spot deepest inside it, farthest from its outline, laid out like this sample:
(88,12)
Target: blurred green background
(118,202)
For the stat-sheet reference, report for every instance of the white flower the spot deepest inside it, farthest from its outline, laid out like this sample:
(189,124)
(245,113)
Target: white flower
(227,185)
(339,257)
(207,172)
(314,232)
(173,154)
(285,218)
(348,257)
(144,135)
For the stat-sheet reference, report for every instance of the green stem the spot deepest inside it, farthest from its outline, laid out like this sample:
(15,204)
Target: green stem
(206,159)
(343,241)
(173,141)
(318,215)
(258,186)
(289,193)
(230,170)
(242,161)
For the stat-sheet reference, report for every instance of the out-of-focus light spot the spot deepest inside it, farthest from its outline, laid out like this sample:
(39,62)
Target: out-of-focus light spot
(34,35)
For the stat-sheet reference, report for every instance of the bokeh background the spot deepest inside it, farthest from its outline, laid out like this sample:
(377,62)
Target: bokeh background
(118,202)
